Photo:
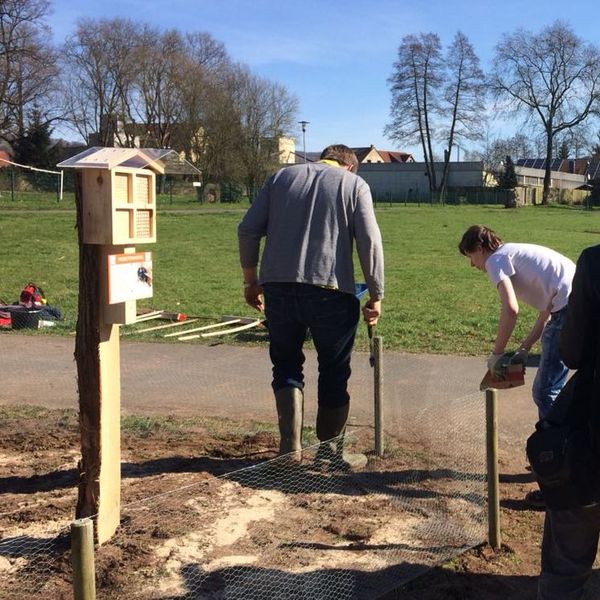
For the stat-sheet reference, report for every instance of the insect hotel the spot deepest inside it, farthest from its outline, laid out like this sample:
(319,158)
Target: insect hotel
(115,191)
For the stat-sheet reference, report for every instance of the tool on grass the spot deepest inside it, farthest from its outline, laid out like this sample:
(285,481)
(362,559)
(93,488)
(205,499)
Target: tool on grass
(508,375)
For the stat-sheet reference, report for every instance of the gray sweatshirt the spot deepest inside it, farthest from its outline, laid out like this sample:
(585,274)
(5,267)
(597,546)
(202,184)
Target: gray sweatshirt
(311,215)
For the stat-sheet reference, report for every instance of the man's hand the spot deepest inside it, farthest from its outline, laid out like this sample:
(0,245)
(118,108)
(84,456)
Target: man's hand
(371,312)
(519,357)
(253,295)
(494,363)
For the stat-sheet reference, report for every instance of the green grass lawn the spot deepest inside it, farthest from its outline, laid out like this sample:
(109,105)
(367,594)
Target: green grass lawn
(434,301)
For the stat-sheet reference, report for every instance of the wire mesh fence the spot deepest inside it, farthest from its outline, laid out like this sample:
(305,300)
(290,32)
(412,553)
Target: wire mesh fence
(36,566)
(275,531)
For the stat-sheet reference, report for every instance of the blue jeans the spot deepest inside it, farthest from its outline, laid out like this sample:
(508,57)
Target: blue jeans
(552,372)
(332,318)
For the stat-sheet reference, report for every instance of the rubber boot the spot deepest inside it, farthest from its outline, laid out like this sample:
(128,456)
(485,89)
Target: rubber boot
(290,414)
(331,425)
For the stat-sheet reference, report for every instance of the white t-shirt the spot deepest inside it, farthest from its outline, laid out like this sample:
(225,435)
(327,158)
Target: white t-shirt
(541,277)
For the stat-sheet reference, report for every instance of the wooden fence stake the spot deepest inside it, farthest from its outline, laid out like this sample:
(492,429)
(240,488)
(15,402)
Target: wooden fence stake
(378,394)
(493,476)
(82,558)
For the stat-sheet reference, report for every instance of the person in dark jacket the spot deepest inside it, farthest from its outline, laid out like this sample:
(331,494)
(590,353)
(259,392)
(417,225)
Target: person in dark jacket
(570,541)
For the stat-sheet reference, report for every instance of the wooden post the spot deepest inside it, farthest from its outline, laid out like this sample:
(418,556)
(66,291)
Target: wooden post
(82,559)
(98,373)
(378,394)
(116,209)
(493,477)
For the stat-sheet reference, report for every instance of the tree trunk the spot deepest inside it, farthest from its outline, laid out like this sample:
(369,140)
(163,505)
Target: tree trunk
(547,176)
(444,181)
(87,341)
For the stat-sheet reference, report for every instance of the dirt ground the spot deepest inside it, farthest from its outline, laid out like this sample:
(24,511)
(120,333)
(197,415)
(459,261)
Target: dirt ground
(38,461)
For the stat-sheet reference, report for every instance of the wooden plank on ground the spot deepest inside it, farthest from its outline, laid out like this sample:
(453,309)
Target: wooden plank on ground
(157,327)
(234,330)
(205,327)
(225,331)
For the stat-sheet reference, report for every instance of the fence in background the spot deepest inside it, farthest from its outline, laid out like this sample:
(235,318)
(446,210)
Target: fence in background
(23,185)
(487,196)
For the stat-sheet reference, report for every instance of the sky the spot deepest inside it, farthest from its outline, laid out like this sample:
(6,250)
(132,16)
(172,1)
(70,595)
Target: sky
(336,57)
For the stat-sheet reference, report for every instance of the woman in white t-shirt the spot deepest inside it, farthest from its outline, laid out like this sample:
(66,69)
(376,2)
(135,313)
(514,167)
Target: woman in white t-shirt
(538,276)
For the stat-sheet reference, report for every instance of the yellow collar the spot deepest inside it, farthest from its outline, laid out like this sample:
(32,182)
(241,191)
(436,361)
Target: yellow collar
(333,163)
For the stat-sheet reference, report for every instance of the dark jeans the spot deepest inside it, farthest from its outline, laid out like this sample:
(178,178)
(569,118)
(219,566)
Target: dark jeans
(331,316)
(569,549)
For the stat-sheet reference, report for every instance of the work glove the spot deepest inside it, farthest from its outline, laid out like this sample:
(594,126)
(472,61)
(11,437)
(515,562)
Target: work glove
(519,357)
(494,364)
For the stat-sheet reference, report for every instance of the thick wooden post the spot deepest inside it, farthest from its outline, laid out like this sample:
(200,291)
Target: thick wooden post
(82,559)
(98,376)
(493,476)
(116,208)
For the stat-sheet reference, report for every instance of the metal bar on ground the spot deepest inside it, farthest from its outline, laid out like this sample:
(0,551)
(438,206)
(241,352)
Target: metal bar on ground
(205,327)
(493,475)
(82,557)
(378,395)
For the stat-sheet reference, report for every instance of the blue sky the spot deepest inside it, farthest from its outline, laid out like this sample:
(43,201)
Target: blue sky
(336,57)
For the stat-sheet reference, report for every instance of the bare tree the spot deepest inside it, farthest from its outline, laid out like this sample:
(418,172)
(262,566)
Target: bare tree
(99,73)
(267,112)
(495,151)
(169,89)
(205,87)
(552,77)
(573,141)
(464,98)
(594,145)
(415,85)
(161,67)
(217,143)
(436,97)
(206,52)
(27,65)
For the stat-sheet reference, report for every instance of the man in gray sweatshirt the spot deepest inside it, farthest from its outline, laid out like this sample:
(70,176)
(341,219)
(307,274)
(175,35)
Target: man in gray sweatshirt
(311,215)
